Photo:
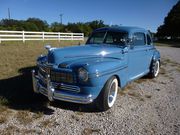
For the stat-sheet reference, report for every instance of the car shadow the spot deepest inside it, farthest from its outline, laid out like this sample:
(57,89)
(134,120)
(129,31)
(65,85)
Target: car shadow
(19,94)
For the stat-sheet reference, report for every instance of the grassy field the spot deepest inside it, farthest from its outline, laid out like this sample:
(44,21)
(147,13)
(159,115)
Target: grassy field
(17,59)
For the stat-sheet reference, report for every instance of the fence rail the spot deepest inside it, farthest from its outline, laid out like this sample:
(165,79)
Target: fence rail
(30,35)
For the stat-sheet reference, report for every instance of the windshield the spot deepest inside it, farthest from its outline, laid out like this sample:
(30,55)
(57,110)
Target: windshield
(108,37)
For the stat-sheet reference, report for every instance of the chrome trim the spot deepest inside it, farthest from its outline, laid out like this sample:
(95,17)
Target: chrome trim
(62,76)
(68,87)
(50,89)
(35,82)
(52,94)
(42,77)
(73,98)
(49,65)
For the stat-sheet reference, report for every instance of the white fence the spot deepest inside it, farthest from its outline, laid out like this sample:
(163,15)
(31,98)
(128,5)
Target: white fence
(29,35)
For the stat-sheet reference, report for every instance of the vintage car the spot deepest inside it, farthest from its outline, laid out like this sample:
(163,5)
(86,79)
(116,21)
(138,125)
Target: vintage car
(93,73)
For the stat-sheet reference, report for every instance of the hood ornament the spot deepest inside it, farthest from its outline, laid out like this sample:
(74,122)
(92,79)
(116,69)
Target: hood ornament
(48,47)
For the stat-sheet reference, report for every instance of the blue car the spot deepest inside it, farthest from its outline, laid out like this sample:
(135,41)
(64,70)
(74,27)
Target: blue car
(93,73)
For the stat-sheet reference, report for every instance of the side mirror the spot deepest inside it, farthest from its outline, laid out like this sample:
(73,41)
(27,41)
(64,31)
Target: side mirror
(48,47)
(125,49)
(130,43)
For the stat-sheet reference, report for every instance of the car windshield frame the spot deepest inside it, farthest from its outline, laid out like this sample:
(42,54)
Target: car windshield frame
(119,38)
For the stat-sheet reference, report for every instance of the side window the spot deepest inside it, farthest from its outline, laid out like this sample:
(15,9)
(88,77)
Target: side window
(139,39)
(149,41)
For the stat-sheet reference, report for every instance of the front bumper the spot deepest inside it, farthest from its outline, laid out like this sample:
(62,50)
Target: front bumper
(52,93)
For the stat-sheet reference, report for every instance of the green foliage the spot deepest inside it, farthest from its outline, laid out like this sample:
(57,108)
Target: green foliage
(41,25)
(36,24)
(57,27)
(31,24)
(171,26)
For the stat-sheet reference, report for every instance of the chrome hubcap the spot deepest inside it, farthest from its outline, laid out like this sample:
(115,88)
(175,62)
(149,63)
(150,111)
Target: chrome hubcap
(156,68)
(112,92)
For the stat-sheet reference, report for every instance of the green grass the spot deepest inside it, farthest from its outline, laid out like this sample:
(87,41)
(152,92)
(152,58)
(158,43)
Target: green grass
(17,55)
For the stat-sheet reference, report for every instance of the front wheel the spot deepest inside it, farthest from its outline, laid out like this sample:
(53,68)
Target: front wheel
(154,69)
(108,94)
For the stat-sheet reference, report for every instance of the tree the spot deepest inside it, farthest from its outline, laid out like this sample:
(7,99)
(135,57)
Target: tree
(171,26)
(57,27)
(36,24)
(31,24)
(96,24)
(41,25)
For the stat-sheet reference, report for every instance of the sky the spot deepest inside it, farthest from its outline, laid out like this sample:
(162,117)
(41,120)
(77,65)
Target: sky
(148,14)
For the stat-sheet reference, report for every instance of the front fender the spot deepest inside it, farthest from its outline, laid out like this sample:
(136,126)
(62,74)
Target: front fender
(156,56)
(99,73)
(105,67)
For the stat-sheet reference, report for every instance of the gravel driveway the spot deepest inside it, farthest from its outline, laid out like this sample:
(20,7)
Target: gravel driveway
(146,106)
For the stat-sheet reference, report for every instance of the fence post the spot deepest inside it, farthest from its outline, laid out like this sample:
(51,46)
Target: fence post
(82,36)
(71,36)
(59,36)
(23,36)
(43,35)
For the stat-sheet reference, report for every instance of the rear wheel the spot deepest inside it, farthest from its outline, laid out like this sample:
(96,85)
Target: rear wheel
(154,69)
(108,94)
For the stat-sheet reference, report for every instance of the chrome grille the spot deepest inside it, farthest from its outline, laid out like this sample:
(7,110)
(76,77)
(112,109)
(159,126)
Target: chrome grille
(61,86)
(64,77)
(44,71)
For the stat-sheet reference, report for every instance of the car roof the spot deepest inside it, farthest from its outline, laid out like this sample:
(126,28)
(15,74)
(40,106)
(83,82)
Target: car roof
(127,29)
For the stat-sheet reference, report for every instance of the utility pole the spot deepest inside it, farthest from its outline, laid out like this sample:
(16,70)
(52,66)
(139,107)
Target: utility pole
(61,15)
(9,15)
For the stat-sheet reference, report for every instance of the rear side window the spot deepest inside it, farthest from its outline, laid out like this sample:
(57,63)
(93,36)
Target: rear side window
(139,39)
(149,41)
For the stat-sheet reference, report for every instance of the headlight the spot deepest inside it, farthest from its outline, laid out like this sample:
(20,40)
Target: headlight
(83,74)
(41,59)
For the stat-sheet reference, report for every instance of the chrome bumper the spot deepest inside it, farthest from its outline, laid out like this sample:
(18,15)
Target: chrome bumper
(52,94)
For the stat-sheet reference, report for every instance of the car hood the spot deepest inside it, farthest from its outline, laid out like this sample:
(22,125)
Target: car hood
(84,54)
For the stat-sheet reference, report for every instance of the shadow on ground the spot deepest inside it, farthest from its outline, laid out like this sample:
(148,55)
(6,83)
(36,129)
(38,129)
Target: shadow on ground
(19,93)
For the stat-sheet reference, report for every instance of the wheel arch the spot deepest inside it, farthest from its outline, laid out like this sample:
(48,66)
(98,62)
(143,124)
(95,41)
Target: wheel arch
(118,78)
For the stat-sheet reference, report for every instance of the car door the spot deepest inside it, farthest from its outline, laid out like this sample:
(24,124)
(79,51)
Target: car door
(150,49)
(137,57)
